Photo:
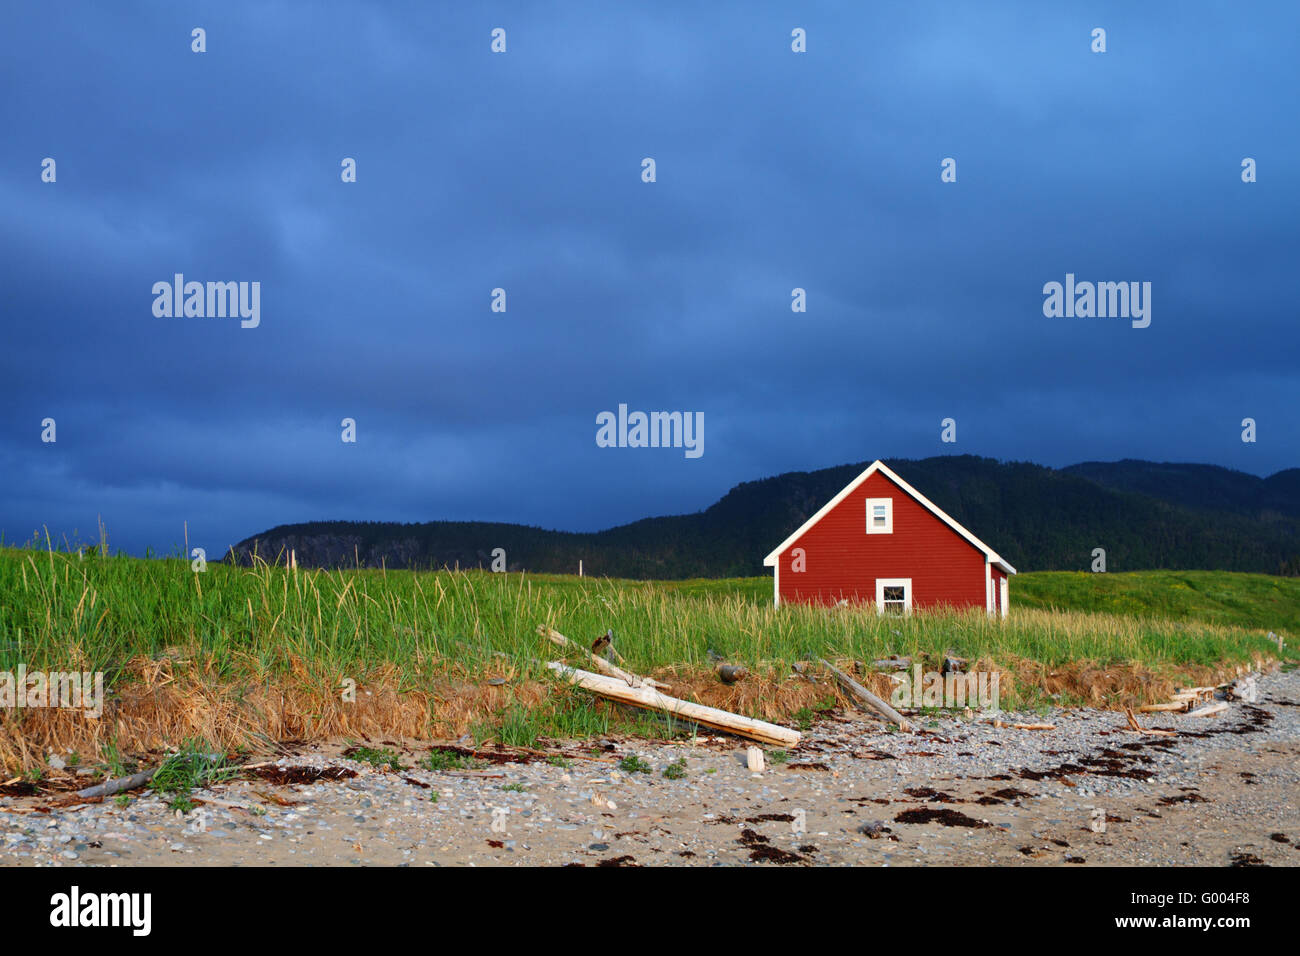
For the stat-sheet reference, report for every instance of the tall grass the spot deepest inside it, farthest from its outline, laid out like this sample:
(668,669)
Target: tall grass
(58,612)
(427,640)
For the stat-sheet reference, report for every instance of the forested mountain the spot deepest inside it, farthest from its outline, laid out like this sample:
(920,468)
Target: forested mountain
(1205,487)
(1145,514)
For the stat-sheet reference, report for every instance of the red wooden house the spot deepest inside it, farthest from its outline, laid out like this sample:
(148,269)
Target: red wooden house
(880,540)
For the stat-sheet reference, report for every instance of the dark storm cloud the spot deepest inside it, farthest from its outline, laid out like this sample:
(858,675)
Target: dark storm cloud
(776,171)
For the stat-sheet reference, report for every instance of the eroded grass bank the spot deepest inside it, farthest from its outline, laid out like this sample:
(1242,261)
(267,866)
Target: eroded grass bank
(237,656)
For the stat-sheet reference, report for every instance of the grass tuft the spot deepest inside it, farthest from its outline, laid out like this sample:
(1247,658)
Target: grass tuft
(633,764)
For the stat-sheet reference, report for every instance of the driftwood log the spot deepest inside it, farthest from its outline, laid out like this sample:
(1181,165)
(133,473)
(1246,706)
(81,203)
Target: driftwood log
(602,665)
(865,696)
(1138,728)
(1003,725)
(120,785)
(136,780)
(643,695)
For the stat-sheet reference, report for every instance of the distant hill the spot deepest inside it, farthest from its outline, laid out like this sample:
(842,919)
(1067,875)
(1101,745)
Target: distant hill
(1146,515)
(1204,487)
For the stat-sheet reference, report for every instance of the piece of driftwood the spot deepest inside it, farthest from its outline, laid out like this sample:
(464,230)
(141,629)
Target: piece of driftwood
(805,670)
(136,780)
(1002,724)
(606,643)
(1161,708)
(1209,710)
(602,665)
(730,673)
(649,698)
(865,696)
(1138,728)
(119,785)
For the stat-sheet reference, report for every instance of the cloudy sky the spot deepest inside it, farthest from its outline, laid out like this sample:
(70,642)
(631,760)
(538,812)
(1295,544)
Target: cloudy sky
(522,170)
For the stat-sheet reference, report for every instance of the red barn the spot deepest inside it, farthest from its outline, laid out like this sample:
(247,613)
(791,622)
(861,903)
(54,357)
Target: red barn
(881,540)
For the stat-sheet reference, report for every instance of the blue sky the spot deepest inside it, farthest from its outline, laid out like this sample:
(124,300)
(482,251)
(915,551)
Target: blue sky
(522,170)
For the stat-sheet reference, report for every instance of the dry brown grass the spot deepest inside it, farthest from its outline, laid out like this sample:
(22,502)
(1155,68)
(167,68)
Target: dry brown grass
(1116,686)
(167,701)
(767,694)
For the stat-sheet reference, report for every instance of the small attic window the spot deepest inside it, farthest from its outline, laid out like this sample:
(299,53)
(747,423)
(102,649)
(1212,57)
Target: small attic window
(880,516)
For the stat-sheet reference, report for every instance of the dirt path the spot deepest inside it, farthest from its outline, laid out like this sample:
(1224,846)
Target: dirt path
(1223,792)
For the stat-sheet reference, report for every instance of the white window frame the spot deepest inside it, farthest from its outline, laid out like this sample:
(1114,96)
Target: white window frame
(904,583)
(872,503)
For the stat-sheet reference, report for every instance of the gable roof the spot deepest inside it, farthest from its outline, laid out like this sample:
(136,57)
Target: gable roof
(879,466)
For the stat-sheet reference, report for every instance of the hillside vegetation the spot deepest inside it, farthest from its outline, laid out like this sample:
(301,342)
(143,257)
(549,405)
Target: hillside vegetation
(1145,515)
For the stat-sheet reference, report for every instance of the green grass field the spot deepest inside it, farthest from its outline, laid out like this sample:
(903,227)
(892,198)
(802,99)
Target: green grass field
(241,632)
(1217,597)
(56,608)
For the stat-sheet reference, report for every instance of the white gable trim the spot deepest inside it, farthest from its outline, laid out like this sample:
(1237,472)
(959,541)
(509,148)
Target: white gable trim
(879,466)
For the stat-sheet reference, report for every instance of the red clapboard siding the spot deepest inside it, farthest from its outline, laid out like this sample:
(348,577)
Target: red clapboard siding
(843,561)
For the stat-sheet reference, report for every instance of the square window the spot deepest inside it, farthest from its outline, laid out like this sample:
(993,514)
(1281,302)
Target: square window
(880,516)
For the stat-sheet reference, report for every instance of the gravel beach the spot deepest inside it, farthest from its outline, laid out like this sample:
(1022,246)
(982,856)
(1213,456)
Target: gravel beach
(1223,792)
